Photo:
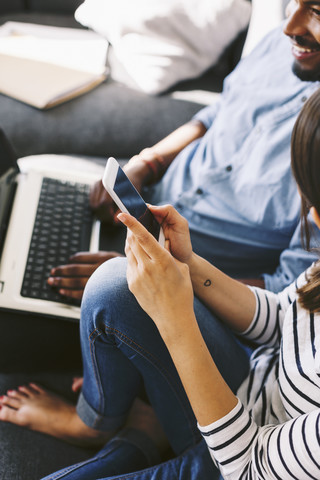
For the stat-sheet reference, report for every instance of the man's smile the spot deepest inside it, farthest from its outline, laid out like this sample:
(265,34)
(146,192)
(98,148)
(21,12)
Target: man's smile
(301,52)
(302,49)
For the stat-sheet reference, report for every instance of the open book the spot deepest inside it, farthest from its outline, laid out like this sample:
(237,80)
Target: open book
(45,66)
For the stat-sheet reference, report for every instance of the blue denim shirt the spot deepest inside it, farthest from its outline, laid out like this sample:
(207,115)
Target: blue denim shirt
(235,184)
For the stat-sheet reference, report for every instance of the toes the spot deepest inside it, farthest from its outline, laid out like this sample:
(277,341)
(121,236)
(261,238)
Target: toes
(11,415)
(12,402)
(77,384)
(36,388)
(15,394)
(30,390)
(7,414)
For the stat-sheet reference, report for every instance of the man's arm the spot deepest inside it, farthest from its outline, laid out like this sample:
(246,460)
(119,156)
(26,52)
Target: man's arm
(164,152)
(148,166)
(293,260)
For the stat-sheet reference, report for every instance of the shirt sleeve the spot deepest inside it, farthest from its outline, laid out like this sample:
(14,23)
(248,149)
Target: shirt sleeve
(208,114)
(293,260)
(266,325)
(242,450)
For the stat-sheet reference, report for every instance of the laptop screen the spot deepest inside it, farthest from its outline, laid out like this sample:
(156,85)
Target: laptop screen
(8,171)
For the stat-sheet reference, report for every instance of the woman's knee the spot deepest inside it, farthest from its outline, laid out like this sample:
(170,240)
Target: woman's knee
(107,299)
(107,282)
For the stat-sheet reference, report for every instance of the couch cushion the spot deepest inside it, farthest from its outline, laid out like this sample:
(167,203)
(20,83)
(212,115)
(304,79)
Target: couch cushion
(110,120)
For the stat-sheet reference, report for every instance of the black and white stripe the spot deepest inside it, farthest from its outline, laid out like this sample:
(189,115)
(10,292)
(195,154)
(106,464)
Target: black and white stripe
(274,431)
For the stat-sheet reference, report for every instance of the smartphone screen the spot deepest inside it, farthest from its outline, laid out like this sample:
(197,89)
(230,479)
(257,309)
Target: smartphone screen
(135,204)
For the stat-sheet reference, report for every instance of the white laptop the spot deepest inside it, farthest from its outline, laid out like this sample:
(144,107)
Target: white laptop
(40,227)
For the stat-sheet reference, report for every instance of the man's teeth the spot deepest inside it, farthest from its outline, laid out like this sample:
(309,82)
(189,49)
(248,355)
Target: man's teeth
(304,49)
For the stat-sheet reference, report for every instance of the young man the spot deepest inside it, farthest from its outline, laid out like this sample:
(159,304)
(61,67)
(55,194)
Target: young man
(227,171)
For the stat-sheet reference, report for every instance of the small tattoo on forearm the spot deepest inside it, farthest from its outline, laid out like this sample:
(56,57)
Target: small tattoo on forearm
(207,283)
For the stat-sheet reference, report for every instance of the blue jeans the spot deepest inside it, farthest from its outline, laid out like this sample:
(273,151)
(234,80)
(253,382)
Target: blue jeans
(194,464)
(123,354)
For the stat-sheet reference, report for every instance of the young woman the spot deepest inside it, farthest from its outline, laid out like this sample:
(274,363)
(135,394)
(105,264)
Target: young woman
(168,342)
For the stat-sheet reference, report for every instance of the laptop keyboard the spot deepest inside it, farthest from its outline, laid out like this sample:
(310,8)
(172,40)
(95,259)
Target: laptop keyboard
(62,227)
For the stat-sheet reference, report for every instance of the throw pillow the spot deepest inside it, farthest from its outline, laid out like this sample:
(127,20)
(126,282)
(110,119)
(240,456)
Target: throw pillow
(158,43)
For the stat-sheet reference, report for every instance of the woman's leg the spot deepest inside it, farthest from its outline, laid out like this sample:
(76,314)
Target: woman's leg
(194,464)
(123,351)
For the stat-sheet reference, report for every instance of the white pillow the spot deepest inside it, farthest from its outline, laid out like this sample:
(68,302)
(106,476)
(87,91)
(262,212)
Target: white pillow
(160,42)
(264,17)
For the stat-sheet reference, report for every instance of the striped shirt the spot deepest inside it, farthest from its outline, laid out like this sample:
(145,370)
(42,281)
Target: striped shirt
(274,430)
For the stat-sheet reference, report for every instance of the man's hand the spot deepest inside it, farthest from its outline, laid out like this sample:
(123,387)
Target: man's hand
(70,279)
(101,202)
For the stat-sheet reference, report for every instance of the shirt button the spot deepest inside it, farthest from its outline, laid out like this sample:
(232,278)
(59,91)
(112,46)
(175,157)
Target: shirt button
(258,130)
(304,99)
(229,168)
(199,191)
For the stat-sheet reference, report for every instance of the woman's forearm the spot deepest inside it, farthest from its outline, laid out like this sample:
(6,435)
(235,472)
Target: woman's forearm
(230,300)
(209,395)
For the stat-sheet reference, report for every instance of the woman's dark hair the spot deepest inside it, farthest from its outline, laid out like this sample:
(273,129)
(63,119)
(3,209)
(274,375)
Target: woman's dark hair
(305,163)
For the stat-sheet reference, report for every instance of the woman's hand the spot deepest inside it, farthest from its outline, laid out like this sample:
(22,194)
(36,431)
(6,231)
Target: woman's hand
(160,282)
(176,231)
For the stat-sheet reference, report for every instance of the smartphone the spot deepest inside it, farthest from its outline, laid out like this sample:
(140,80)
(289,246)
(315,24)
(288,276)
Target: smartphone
(128,199)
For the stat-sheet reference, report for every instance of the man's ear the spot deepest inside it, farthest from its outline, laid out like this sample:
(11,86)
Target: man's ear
(315,216)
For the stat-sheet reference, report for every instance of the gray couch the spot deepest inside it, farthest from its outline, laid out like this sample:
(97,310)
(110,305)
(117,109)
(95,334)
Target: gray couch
(97,123)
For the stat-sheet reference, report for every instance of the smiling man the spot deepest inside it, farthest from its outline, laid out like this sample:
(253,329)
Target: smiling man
(303,27)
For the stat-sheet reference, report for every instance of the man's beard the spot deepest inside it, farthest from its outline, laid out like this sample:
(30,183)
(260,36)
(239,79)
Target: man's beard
(305,75)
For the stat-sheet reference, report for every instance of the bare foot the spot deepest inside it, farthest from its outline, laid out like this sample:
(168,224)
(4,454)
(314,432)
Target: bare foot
(35,408)
(77,383)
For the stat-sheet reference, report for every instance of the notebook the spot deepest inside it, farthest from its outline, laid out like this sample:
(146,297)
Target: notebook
(44,218)
(45,66)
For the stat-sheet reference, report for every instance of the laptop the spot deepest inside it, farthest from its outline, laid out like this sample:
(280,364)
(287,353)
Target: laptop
(44,218)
